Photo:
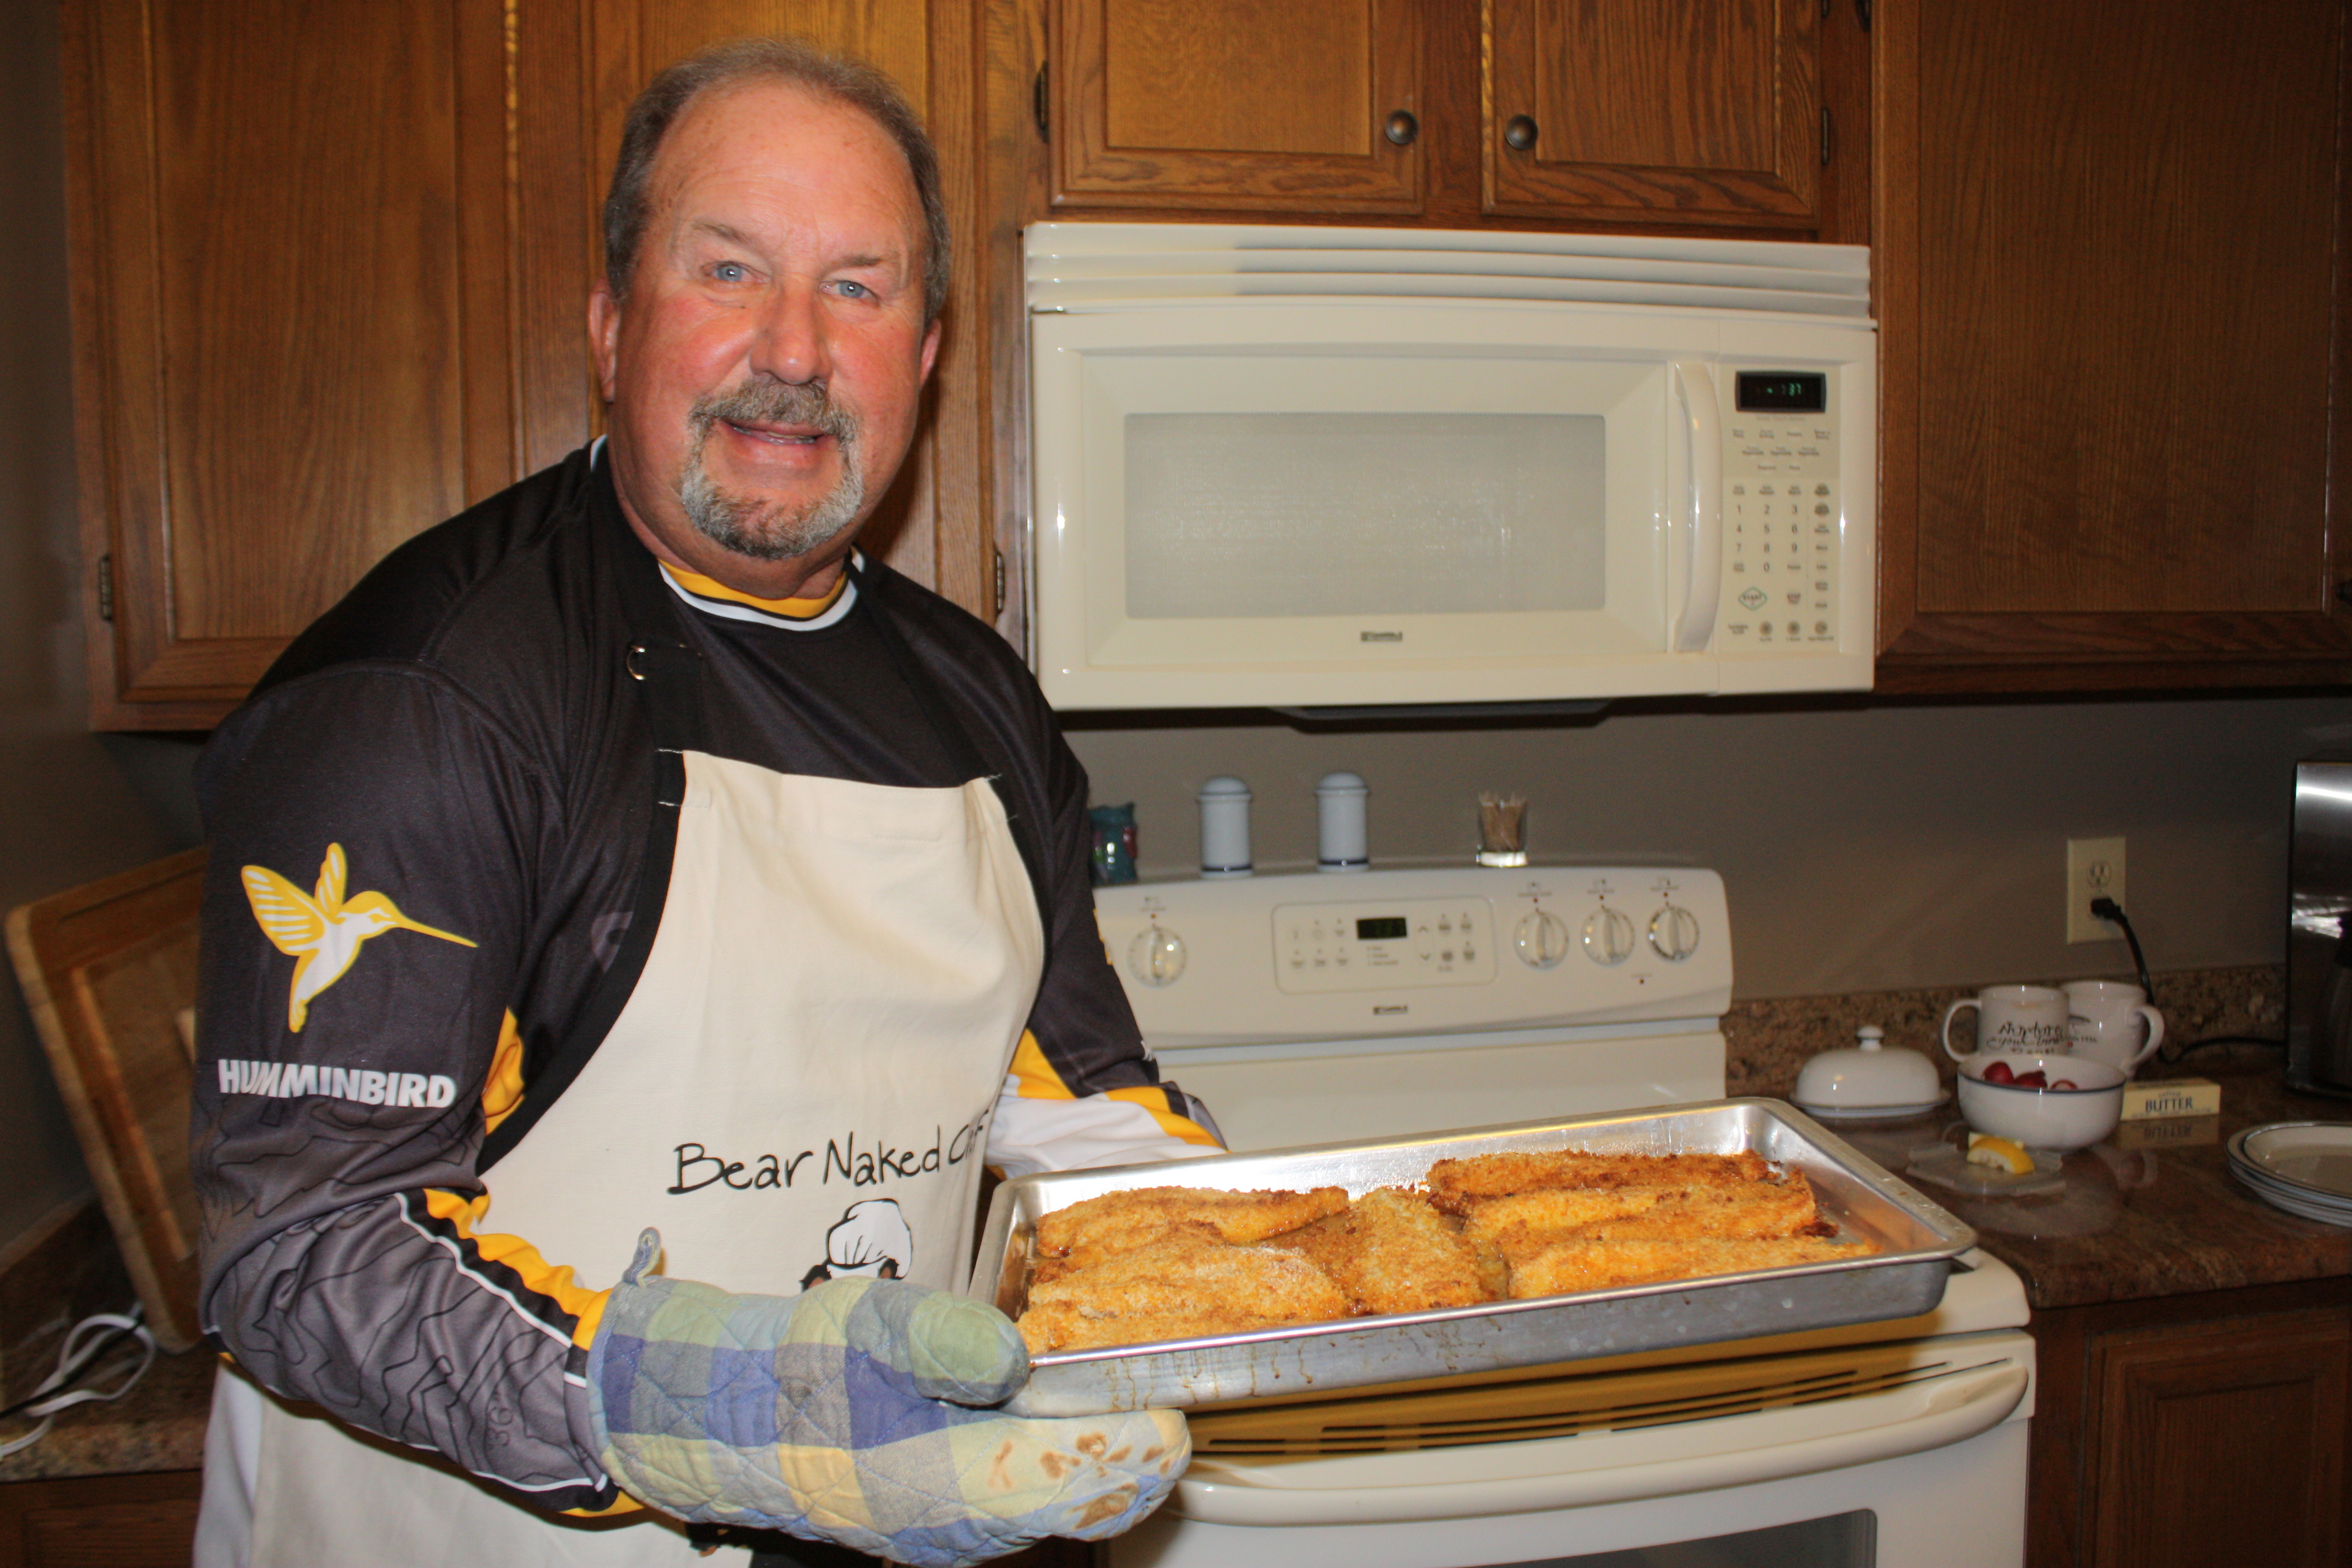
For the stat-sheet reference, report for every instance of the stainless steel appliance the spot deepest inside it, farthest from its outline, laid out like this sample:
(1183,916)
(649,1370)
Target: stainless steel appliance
(1317,1008)
(2319,946)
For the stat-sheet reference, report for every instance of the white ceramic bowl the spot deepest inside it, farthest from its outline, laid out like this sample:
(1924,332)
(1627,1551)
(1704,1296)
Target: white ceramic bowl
(2043,1118)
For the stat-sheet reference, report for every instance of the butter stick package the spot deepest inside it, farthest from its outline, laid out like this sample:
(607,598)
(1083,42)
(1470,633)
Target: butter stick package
(2163,1098)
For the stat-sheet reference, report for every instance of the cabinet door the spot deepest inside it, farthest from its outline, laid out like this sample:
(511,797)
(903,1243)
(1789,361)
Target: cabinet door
(2111,275)
(1703,111)
(2222,1444)
(291,324)
(1237,104)
(931,526)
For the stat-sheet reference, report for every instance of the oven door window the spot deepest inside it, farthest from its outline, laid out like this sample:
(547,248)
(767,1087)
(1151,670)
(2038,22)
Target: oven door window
(1841,1540)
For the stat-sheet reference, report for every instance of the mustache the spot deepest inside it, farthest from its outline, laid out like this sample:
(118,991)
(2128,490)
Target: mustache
(806,403)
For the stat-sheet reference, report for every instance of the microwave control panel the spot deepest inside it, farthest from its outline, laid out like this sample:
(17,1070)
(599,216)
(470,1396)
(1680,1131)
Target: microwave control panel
(1781,513)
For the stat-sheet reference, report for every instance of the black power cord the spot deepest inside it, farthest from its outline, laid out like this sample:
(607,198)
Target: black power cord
(2107,909)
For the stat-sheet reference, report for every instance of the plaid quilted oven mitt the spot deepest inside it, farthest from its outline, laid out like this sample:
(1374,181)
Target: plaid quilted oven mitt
(844,1414)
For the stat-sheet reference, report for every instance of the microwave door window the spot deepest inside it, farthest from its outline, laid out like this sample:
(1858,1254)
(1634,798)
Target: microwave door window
(1283,515)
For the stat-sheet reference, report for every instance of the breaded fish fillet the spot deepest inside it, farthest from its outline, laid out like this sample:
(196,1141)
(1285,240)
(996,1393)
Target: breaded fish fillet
(1060,1326)
(1454,1183)
(1524,1221)
(1392,1252)
(1570,1265)
(1177,1287)
(1097,1228)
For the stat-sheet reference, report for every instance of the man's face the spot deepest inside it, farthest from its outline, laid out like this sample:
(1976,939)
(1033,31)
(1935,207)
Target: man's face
(766,370)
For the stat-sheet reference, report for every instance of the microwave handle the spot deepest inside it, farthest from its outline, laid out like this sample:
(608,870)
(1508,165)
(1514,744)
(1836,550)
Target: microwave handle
(1703,428)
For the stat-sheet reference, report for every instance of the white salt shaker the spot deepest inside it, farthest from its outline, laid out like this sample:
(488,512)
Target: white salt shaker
(1340,824)
(1225,827)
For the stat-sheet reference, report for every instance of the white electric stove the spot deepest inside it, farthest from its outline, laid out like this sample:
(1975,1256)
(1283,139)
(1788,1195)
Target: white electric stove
(1322,1007)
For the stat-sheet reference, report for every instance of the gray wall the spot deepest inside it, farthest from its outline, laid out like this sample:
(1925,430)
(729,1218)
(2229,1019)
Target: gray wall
(72,807)
(1864,844)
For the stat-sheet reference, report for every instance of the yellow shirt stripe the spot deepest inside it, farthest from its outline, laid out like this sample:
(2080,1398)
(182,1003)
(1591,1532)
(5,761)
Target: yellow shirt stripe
(502,1090)
(704,587)
(1038,1081)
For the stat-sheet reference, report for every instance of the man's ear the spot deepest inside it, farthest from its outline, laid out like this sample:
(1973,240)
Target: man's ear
(604,335)
(930,350)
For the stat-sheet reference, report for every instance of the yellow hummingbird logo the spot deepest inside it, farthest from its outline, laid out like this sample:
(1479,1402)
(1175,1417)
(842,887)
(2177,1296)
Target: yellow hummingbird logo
(323,933)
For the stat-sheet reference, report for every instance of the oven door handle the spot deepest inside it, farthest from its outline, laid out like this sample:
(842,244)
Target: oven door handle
(1743,1450)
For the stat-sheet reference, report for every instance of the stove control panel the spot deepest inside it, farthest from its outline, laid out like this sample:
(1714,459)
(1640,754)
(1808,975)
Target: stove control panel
(1360,946)
(1411,951)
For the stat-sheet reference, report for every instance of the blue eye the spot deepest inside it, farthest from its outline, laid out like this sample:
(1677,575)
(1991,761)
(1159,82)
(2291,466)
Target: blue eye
(729,271)
(855,290)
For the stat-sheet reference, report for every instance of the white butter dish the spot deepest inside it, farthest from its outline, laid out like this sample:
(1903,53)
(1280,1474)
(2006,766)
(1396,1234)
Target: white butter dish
(1869,1079)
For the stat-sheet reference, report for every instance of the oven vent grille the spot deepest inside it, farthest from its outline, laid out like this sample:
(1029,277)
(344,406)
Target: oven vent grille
(1091,265)
(1555,1407)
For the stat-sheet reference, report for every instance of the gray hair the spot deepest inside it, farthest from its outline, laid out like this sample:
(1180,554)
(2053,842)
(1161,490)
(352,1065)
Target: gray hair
(794,62)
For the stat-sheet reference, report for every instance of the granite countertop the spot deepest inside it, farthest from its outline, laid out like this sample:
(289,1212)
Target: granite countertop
(2152,1211)
(158,1425)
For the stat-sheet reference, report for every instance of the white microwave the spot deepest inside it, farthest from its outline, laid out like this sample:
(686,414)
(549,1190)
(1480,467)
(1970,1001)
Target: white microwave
(1330,468)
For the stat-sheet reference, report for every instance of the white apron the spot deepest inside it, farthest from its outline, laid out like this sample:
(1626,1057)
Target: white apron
(799,1087)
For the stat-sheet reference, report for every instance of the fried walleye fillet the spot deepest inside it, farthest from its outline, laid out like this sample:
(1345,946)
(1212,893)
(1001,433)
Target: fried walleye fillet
(1569,1265)
(1525,1220)
(1454,1183)
(1392,1252)
(1178,1286)
(1096,1228)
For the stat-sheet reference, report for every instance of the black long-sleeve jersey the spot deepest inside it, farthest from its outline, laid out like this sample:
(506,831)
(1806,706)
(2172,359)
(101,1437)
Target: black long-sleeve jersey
(428,827)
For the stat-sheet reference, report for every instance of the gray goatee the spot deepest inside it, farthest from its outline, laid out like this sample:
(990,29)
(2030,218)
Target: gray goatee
(761,529)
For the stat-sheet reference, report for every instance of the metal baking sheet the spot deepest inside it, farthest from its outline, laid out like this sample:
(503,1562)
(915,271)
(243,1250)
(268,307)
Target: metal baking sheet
(1916,1240)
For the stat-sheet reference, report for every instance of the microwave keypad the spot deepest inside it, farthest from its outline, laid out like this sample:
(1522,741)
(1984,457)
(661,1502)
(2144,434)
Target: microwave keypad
(1780,516)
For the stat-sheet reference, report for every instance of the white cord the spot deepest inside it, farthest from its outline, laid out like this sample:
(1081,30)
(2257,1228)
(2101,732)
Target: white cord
(80,1338)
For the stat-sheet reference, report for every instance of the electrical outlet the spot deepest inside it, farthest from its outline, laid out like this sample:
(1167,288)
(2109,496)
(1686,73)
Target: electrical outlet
(2094,870)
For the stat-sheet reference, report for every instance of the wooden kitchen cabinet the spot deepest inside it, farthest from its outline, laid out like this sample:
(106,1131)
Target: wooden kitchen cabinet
(317,308)
(1232,103)
(2188,1430)
(2111,269)
(1696,113)
(100,1522)
(1631,109)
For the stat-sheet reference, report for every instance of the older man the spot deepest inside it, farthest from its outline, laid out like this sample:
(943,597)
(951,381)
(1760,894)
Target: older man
(701,896)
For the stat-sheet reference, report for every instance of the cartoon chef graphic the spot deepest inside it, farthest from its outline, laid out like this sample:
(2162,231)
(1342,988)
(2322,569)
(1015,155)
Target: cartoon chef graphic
(871,1241)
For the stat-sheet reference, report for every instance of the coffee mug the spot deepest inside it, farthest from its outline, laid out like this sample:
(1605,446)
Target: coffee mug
(2110,1021)
(2018,1020)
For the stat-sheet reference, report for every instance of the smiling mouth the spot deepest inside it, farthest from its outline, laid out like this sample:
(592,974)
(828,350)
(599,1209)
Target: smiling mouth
(778,414)
(798,437)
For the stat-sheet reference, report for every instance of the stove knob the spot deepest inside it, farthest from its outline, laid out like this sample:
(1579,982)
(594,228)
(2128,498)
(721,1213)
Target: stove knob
(1674,933)
(1156,957)
(1542,940)
(1607,937)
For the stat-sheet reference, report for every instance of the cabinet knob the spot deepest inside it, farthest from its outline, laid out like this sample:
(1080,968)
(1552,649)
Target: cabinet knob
(1519,135)
(1401,128)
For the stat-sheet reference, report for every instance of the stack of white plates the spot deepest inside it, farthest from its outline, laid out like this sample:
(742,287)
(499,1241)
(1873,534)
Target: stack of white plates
(2302,1167)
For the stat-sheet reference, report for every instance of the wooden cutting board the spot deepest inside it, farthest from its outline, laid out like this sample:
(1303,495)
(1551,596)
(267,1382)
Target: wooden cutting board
(110,971)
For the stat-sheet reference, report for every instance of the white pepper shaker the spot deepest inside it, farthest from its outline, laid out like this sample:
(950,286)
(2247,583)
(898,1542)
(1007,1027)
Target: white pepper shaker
(1341,837)
(1225,827)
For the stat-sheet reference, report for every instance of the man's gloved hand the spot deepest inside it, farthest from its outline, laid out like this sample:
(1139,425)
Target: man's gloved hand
(843,1415)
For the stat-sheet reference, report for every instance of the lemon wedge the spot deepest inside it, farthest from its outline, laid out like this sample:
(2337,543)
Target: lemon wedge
(2002,1154)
